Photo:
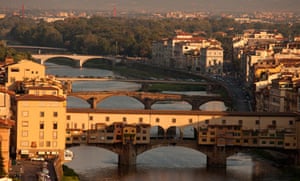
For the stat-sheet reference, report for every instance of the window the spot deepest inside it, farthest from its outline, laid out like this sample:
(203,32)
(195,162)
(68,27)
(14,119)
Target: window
(157,120)
(291,122)
(48,143)
(41,144)
(124,119)
(190,120)
(54,134)
(140,120)
(25,113)
(55,114)
(41,125)
(54,143)
(207,121)
(240,122)
(83,126)
(223,121)
(107,119)
(55,125)
(75,125)
(257,122)
(42,114)
(24,133)
(91,118)
(68,117)
(41,134)
(15,70)
(24,123)
(24,143)
(274,122)
(68,125)
(173,120)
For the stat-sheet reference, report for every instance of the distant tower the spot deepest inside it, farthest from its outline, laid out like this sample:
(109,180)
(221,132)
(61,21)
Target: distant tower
(115,12)
(22,10)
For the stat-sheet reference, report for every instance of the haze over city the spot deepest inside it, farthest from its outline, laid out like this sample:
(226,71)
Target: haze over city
(157,5)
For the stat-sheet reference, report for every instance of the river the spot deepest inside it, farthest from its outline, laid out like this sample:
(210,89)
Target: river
(161,164)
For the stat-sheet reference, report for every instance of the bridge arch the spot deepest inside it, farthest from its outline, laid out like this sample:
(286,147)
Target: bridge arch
(77,102)
(79,58)
(186,157)
(157,132)
(50,58)
(82,62)
(146,98)
(214,106)
(131,102)
(163,105)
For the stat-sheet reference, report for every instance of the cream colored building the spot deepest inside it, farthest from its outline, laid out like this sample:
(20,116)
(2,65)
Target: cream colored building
(23,70)
(176,52)
(41,127)
(6,123)
(212,60)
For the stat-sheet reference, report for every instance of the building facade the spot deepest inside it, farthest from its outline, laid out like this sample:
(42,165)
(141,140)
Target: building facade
(22,71)
(184,52)
(6,124)
(40,125)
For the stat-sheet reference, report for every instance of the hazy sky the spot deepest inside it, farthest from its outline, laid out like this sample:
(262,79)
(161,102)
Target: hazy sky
(159,5)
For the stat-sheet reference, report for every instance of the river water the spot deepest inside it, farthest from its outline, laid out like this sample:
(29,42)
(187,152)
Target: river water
(161,164)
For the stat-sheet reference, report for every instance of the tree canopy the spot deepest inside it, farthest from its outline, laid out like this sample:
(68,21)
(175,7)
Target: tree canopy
(123,36)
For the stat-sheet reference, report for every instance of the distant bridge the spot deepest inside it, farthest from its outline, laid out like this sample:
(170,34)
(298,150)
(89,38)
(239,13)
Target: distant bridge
(209,86)
(148,98)
(80,59)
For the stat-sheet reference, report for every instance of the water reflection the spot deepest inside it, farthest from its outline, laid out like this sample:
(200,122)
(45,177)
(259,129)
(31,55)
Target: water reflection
(166,164)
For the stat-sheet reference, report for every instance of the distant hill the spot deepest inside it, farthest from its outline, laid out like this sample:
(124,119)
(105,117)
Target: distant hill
(159,5)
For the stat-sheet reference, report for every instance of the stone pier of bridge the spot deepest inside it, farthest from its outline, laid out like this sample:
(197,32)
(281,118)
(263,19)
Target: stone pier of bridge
(128,155)
(216,156)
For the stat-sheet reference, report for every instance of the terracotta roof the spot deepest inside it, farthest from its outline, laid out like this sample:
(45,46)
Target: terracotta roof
(5,122)
(30,97)
(42,88)
(4,90)
(214,48)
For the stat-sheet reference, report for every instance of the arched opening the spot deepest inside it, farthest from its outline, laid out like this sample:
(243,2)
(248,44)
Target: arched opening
(171,105)
(173,132)
(91,157)
(189,133)
(157,132)
(62,61)
(213,106)
(120,102)
(98,62)
(74,102)
(172,157)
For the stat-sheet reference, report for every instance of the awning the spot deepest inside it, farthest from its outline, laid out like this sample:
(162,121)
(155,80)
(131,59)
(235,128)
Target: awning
(41,153)
(24,152)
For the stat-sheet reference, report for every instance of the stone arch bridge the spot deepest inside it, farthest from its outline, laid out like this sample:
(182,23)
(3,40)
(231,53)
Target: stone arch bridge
(216,134)
(148,99)
(80,59)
